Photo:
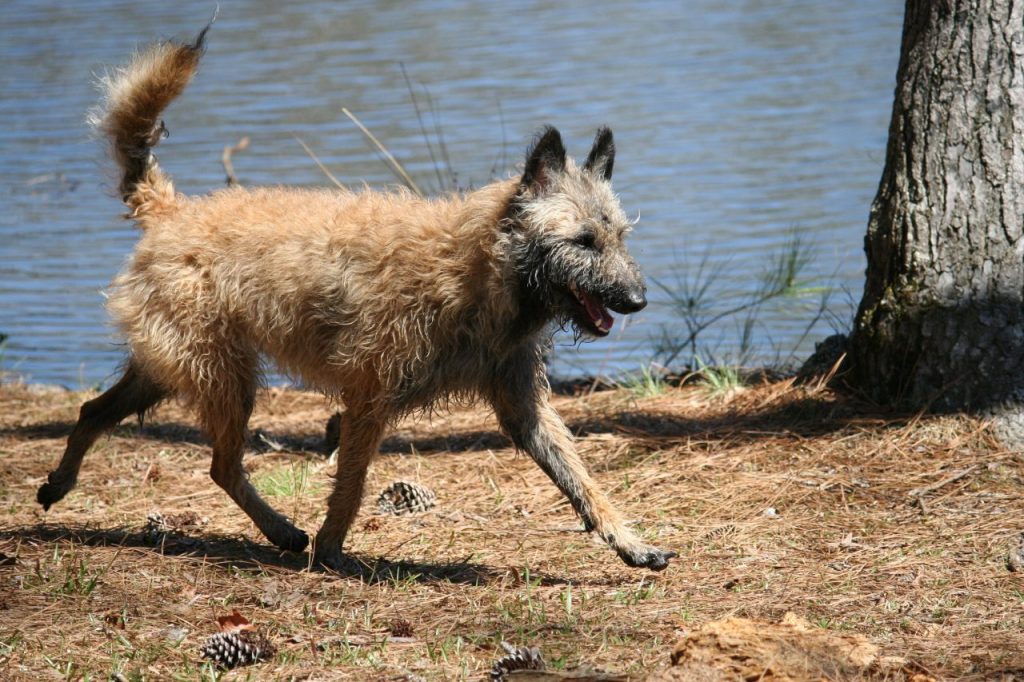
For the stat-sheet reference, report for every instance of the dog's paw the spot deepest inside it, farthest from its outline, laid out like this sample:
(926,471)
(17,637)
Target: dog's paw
(646,557)
(52,492)
(293,541)
(337,562)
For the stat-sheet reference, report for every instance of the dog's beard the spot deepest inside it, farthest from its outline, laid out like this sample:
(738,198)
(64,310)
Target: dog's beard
(565,321)
(552,288)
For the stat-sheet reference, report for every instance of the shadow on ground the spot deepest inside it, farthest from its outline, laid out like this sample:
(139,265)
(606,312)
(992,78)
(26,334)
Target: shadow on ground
(802,417)
(241,554)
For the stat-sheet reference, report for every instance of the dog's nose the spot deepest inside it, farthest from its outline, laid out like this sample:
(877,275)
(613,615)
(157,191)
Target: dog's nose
(636,300)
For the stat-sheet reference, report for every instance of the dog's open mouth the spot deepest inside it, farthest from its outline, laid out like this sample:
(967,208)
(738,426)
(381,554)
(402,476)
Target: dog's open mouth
(599,320)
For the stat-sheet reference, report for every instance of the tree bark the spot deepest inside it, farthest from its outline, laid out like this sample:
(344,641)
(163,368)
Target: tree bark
(941,323)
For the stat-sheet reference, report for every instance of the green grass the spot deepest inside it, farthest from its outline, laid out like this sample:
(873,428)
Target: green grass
(718,380)
(647,382)
(79,580)
(642,592)
(290,480)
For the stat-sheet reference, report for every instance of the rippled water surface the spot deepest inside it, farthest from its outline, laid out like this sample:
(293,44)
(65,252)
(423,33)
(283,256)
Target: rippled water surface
(738,124)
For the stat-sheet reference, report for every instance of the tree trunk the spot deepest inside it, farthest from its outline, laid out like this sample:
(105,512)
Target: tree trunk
(941,324)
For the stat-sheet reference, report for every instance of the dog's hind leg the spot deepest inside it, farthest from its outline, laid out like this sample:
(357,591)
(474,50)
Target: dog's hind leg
(361,433)
(134,393)
(225,414)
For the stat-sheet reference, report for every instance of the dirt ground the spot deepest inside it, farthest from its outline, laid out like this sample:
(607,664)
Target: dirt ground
(778,499)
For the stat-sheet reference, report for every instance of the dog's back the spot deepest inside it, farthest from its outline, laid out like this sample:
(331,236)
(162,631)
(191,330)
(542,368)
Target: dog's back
(343,290)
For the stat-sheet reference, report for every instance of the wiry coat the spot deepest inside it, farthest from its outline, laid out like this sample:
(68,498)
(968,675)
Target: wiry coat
(317,279)
(386,301)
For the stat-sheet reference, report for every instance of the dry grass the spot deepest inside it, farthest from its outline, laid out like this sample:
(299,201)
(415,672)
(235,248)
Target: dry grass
(85,592)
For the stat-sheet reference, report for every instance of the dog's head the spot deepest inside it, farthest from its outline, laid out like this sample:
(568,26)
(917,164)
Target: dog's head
(568,231)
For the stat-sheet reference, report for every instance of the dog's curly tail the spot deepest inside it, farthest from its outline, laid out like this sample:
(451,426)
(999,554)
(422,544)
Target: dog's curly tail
(134,96)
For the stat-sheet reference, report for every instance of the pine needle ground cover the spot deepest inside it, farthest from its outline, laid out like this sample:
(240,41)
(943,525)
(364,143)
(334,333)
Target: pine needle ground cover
(778,498)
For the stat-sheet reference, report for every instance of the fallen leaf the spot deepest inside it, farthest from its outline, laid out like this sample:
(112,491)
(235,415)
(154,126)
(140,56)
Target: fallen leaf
(236,622)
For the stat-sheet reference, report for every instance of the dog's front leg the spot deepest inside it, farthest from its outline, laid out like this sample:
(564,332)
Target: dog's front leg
(535,428)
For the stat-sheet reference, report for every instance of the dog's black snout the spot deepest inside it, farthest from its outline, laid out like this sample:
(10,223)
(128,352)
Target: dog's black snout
(635,300)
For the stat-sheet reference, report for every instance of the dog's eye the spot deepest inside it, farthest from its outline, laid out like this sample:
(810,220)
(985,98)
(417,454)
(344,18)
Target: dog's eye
(585,240)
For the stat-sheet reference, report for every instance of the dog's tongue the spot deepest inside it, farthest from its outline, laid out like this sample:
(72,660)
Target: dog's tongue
(598,313)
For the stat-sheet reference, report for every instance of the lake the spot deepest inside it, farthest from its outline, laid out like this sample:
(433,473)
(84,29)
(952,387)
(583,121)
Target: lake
(739,126)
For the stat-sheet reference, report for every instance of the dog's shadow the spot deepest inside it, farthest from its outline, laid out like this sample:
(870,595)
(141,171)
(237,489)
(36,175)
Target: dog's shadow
(261,440)
(235,553)
(806,418)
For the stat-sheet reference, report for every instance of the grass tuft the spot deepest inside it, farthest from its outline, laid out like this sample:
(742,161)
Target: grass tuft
(647,382)
(289,480)
(718,381)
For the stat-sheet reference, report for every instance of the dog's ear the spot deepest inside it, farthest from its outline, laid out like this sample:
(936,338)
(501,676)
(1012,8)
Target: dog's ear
(545,159)
(602,154)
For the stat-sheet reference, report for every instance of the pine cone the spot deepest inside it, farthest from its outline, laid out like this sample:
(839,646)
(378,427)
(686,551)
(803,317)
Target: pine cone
(232,649)
(156,528)
(402,497)
(400,627)
(516,658)
(159,527)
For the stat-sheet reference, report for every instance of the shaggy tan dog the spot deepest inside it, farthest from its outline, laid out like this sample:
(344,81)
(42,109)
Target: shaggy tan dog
(388,302)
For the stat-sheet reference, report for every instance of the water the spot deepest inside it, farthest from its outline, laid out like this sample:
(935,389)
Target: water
(738,125)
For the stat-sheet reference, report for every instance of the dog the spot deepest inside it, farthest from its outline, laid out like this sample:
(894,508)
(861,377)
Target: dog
(388,302)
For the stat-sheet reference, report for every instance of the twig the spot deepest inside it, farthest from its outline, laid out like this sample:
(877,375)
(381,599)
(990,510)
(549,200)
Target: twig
(225,159)
(423,127)
(269,442)
(442,145)
(501,160)
(319,163)
(395,166)
(918,492)
(780,281)
(145,476)
(827,378)
(822,309)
